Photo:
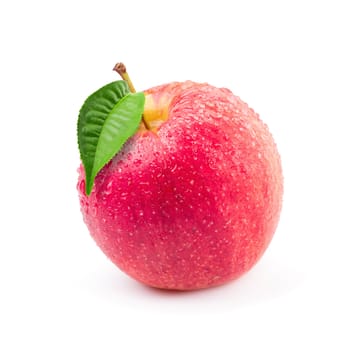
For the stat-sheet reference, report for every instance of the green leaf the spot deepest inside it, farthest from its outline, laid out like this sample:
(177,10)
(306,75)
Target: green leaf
(108,118)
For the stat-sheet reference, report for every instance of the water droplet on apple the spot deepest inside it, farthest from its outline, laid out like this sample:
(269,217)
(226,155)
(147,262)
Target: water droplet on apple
(93,210)
(108,189)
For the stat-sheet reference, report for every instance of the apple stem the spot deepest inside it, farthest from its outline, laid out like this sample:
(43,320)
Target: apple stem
(121,70)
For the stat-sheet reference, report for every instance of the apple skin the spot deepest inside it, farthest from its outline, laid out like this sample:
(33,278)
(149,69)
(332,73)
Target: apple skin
(193,203)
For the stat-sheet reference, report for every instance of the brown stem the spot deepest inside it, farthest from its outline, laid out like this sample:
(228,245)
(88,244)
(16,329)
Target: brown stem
(121,70)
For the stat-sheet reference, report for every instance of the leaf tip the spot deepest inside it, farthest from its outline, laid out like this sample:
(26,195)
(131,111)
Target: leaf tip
(89,182)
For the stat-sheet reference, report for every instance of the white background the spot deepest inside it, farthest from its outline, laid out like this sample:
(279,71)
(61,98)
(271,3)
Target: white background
(288,59)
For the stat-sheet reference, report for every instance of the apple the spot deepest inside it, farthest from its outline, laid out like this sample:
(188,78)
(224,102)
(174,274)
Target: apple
(193,198)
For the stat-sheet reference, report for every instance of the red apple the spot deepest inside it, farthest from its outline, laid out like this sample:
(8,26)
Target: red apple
(193,200)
